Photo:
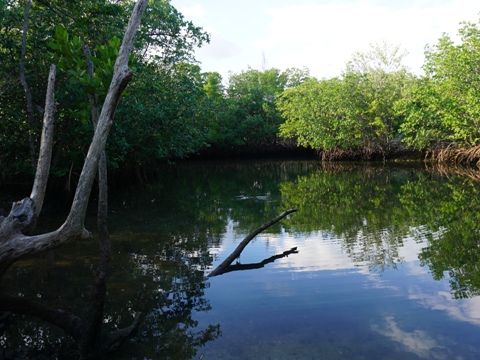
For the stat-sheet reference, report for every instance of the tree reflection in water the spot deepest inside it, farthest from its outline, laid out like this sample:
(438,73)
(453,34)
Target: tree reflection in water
(450,213)
(359,205)
(162,239)
(161,277)
(372,209)
(177,283)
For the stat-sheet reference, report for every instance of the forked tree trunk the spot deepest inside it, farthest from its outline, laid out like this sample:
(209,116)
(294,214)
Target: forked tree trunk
(13,243)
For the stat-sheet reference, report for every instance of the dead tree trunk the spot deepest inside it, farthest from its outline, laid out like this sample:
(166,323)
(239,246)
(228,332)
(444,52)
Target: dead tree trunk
(236,253)
(13,243)
(24,213)
(92,337)
(45,154)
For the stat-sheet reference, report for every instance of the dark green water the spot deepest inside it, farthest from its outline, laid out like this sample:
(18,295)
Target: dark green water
(387,265)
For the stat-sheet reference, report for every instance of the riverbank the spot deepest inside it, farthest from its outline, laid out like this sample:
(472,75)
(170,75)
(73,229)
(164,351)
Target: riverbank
(444,155)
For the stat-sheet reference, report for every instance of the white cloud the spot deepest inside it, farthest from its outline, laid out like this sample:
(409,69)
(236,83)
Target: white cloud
(219,49)
(466,310)
(195,11)
(319,34)
(323,36)
(416,341)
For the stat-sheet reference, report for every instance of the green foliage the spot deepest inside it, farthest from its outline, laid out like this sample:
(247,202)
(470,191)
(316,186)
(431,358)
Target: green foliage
(69,57)
(166,117)
(173,109)
(58,31)
(254,92)
(421,108)
(250,111)
(318,116)
(381,102)
(376,81)
(374,96)
(447,102)
(222,121)
(213,86)
(349,112)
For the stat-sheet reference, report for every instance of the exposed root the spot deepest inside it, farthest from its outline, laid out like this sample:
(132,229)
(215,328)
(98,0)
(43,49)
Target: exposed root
(370,151)
(452,154)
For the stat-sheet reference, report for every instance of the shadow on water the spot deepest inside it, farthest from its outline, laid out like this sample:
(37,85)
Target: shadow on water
(167,236)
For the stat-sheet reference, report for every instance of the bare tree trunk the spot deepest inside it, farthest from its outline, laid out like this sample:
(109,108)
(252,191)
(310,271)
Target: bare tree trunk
(13,243)
(121,77)
(92,337)
(45,155)
(236,253)
(24,213)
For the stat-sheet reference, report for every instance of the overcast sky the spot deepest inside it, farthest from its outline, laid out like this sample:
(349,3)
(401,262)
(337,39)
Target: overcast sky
(319,34)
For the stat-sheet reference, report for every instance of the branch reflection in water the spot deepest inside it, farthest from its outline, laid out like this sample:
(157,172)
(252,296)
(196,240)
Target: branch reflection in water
(259,265)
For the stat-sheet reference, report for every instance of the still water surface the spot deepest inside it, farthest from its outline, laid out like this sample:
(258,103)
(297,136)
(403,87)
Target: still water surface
(385,267)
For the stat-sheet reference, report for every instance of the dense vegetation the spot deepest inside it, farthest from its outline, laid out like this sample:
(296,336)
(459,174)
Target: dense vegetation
(378,107)
(172,109)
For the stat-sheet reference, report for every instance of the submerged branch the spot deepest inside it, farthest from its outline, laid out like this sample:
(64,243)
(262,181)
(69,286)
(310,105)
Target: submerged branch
(236,253)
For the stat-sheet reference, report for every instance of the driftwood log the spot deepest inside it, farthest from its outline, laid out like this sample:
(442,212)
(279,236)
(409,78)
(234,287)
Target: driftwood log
(220,269)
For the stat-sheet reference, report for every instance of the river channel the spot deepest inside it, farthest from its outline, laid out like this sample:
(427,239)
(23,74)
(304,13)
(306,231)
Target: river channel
(379,262)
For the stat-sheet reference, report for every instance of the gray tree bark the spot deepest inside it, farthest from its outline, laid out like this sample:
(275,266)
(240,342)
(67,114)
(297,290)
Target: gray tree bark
(45,154)
(13,243)
(92,337)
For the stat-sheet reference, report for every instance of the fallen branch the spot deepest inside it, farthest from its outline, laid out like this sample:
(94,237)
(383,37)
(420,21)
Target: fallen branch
(236,253)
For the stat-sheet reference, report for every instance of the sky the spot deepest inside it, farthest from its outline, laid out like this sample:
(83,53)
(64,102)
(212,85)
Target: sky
(321,35)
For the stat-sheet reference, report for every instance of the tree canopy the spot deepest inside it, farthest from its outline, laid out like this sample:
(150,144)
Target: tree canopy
(57,32)
(354,111)
(444,105)
(172,109)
